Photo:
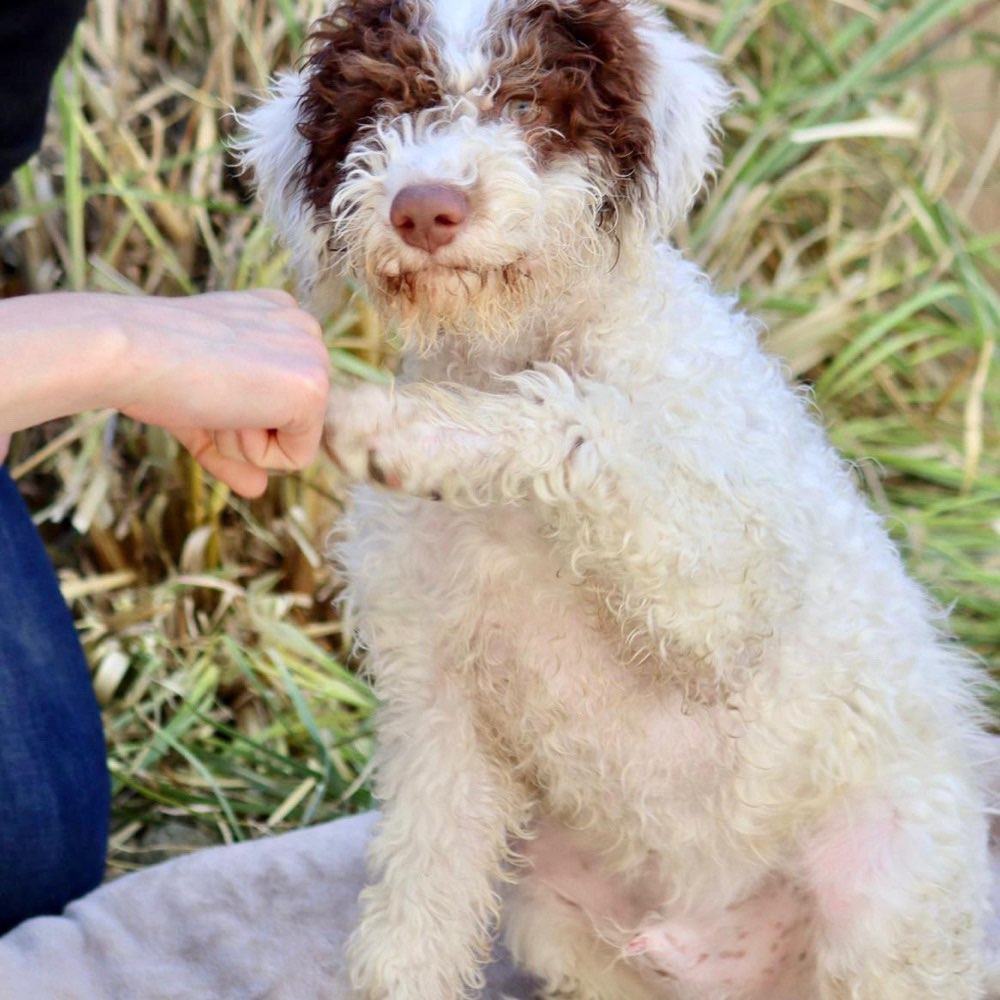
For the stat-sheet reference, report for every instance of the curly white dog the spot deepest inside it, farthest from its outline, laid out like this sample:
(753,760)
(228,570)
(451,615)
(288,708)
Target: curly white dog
(658,695)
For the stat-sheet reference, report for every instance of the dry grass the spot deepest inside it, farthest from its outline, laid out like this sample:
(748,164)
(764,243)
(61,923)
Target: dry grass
(216,651)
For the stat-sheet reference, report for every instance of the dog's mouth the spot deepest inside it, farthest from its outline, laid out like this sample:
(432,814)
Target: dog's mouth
(465,280)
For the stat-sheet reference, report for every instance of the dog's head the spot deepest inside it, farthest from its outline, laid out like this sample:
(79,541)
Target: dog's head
(470,161)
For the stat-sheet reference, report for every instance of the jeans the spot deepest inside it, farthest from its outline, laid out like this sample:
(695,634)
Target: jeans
(54,786)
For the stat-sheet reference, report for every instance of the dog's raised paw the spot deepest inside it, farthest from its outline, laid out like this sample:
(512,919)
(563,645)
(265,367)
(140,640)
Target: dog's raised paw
(376,437)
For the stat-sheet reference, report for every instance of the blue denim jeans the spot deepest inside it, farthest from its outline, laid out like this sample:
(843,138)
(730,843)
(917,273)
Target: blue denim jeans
(54,787)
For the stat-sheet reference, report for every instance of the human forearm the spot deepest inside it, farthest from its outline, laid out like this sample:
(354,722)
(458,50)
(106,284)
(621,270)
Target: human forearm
(58,355)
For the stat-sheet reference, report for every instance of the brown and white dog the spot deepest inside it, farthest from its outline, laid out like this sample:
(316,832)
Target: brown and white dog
(657,694)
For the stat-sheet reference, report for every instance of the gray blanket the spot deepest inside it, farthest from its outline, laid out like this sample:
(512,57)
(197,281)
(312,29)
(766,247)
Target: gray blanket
(259,921)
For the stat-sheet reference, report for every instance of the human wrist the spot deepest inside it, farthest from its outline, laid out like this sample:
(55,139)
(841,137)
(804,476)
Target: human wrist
(113,327)
(94,327)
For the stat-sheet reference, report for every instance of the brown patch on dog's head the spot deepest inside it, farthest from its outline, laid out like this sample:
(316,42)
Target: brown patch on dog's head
(369,58)
(584,69)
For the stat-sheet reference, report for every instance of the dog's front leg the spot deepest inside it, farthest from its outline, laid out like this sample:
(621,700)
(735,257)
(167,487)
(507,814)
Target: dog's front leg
(469,447)
(622,484)
(606,473)
(436,862)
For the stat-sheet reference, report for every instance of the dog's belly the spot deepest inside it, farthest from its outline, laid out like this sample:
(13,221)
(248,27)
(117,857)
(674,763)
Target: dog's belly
(613,751)
(605,746)
(759,947)
(601,740)
(593,727)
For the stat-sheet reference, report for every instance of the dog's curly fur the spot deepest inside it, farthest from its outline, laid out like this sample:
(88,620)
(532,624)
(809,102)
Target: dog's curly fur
(657,693)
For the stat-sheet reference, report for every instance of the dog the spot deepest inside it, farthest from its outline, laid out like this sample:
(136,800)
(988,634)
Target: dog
(657,696)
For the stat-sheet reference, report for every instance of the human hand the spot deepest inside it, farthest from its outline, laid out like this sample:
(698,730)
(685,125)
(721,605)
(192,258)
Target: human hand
(240,378)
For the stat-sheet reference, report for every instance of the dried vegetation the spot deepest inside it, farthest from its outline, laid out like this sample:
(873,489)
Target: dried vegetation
(841,217)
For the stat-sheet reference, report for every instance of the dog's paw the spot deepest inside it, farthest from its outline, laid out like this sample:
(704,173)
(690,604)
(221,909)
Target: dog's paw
(373,435)
(354,417)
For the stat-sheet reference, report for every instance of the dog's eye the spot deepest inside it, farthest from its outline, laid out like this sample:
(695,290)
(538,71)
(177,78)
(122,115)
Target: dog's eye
(522,110)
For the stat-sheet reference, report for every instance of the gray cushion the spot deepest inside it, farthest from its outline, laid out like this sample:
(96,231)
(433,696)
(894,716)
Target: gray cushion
(259,921)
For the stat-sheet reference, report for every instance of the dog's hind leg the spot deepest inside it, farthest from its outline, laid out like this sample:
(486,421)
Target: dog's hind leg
(556,943)
(899,905)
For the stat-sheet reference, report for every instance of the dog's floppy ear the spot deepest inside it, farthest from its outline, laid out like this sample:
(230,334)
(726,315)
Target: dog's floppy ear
(272,147)
(687,96)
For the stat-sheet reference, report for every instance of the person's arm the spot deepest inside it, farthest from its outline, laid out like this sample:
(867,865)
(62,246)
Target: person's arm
(239,377)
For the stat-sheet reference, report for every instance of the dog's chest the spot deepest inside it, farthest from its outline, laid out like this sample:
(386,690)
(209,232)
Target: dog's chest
(596,729)
(554,689)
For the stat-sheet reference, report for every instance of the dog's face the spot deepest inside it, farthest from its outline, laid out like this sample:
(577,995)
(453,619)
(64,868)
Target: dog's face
(470,161)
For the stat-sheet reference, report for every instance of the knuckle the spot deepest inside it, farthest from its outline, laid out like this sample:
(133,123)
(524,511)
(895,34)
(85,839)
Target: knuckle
(318,353)
(308,395)
(317,383)
(311,325)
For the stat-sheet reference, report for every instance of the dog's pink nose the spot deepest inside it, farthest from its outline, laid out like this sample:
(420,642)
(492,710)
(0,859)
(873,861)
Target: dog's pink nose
(428,216)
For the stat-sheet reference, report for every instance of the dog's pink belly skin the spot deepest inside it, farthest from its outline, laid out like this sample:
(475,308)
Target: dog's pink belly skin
(760,948)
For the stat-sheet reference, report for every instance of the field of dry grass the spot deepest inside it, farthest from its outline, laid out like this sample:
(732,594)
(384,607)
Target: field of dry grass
(231,706)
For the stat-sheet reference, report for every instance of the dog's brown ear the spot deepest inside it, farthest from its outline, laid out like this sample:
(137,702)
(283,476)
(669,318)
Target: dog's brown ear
(272,147)
(687,97)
